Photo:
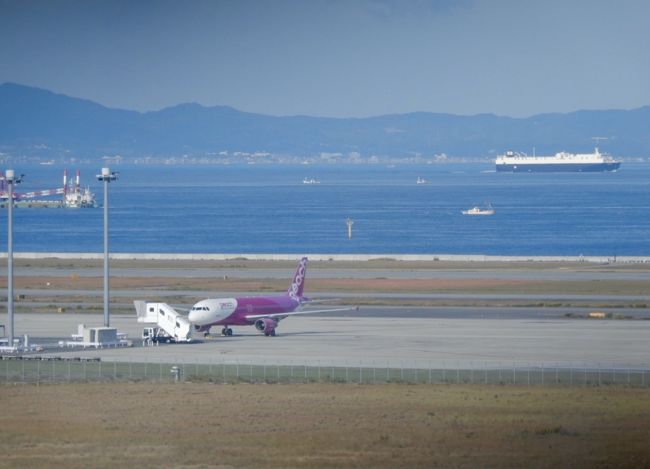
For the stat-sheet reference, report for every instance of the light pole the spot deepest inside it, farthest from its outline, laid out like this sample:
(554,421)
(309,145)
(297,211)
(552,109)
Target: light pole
(106,176)
(11,179)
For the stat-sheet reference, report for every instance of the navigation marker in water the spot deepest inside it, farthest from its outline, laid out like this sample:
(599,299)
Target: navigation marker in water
(350,223)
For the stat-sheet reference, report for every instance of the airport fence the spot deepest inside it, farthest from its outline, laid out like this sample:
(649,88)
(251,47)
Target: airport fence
(41,370)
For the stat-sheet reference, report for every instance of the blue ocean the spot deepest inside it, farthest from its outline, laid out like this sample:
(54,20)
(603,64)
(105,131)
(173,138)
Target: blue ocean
(259,208)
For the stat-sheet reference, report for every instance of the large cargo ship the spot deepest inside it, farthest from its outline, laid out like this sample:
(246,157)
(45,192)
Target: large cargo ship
(516,162)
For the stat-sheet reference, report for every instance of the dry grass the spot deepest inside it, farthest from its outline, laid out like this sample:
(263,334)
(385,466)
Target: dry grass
(322,425)
(379,283)
(91,287)
(148,290)
(344,285)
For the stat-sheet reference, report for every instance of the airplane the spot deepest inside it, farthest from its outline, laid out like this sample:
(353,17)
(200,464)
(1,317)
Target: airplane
(263,312)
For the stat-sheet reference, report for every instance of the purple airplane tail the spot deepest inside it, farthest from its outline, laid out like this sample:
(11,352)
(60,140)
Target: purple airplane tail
(298,283)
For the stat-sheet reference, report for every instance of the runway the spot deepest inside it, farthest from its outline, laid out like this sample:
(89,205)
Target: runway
(387,339)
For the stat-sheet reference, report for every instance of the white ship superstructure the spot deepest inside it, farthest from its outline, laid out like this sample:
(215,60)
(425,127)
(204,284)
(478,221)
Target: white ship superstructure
(570,162)
(76,196)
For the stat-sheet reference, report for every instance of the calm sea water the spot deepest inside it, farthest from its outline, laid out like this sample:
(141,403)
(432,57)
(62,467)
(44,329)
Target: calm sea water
(267,209)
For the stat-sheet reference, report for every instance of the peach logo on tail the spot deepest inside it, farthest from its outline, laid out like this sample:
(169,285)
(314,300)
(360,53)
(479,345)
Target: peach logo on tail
(297,282)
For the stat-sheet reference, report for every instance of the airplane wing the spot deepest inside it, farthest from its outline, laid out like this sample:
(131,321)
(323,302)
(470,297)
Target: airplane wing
(293,313)
(306,300)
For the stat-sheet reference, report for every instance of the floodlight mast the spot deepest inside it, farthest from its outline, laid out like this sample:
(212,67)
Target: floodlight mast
(10,179)
(106,176)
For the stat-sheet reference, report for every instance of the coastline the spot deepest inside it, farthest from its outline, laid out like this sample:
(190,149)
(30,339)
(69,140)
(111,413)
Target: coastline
(460,258)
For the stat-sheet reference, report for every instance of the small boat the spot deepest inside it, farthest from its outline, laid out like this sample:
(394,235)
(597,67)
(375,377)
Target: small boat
(479,211)
(310,181)
(421,181)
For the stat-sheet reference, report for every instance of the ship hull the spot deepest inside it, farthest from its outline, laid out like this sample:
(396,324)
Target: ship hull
(558,168)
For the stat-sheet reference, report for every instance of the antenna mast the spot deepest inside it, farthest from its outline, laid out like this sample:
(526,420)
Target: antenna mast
(597,140)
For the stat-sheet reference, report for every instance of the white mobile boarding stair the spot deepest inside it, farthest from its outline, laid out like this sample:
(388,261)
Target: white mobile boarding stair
(166,318)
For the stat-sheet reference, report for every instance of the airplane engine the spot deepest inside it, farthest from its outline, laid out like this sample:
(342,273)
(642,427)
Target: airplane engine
(266,325)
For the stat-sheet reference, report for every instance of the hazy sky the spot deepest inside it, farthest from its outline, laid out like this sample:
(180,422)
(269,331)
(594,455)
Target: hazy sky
(337,58)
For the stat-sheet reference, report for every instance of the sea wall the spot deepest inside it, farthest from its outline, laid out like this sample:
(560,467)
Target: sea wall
(332,257)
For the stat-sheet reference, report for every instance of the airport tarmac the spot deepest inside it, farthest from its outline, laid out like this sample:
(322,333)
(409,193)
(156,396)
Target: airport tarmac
(387,340)
(438,336)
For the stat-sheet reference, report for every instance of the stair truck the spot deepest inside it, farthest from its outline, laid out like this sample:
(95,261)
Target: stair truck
(167,324)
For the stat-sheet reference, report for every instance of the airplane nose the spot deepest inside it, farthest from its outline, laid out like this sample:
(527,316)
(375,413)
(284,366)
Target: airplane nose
(192,316)
(200,315)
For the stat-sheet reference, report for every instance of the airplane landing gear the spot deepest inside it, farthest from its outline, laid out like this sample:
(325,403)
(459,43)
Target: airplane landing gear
(226,331)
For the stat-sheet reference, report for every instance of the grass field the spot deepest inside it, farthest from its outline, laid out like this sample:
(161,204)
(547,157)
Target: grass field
(322,425)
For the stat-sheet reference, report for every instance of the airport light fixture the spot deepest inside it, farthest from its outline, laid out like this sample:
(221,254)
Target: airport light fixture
(106,176)
(11,179)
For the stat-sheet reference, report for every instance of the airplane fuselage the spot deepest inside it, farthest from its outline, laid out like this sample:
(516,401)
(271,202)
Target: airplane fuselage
(237,311)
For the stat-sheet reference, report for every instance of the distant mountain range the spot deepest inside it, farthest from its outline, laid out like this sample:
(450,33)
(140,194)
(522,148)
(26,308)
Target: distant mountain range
(38,123)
